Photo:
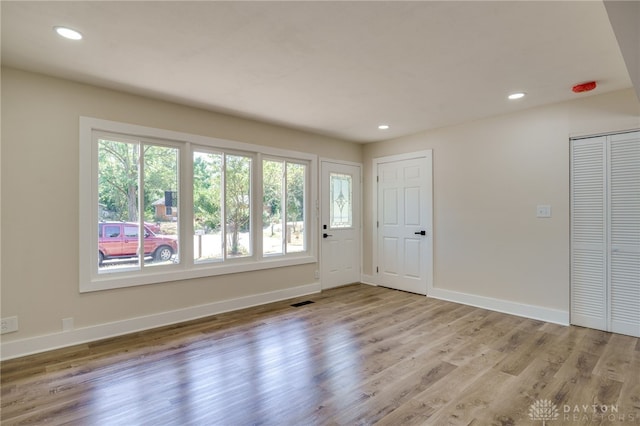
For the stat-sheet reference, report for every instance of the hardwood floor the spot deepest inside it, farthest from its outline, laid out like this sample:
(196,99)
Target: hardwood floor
(357,355)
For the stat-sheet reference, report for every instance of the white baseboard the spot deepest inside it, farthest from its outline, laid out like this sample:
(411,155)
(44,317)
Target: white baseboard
(541,313)
(32,345)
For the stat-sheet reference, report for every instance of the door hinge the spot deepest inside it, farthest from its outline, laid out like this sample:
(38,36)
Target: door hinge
(377,178)
(377,224)
(377,270)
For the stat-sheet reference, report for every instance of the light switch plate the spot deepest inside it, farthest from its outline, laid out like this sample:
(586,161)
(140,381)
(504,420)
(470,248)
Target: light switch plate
(543,210)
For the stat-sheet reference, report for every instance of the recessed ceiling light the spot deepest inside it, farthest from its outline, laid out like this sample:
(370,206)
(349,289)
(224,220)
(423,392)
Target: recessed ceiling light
(383,126)
(68,33)
(518,95)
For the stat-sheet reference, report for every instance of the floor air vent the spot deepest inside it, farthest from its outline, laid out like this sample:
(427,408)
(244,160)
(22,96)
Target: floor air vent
(306,302)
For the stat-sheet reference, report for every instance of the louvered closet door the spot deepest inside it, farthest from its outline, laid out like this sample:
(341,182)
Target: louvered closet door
(588,233)
(605,233)
(624,235)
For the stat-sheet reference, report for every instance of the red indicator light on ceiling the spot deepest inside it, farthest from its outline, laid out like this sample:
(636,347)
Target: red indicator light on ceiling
(584,87)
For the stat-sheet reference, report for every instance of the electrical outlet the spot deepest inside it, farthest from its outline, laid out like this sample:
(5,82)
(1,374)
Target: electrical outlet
(8,325)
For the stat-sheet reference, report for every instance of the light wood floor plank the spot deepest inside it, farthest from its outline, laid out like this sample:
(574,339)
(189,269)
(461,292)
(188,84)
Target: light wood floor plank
(358,355)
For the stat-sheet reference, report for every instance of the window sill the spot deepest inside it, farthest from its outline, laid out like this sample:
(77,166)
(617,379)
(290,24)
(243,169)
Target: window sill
(178,272)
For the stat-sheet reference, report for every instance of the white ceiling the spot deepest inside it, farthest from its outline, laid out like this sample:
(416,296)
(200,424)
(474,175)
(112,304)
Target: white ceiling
(334,68)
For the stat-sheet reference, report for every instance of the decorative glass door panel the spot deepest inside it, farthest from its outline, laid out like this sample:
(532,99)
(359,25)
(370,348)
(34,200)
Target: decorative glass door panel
(341,204)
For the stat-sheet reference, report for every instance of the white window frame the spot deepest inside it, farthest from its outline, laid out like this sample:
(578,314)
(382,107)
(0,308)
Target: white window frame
(307,208)
(97,135)
(90,280)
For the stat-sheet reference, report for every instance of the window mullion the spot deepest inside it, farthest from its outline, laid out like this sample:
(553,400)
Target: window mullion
(223,206)
(256,208)
(283,203)
(253,205)
(141,260)
(185,205)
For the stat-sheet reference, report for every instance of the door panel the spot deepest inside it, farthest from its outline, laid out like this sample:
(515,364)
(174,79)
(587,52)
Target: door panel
(390,206)
(624,240)
(340,224)
(391,255)
(412,253)
(588,234)
(111,240)
(412,209)
(404,217)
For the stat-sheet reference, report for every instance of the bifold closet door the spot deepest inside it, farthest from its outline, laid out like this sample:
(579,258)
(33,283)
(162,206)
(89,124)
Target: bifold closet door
(605,233)
(588,233)
(624,235)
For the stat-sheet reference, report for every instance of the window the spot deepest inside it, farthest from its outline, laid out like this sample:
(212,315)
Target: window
(124,166)
(207,207)
(283,203)
(246,207)
(111,231)
(131,232)
(272,201)
(222,195)
(237,205)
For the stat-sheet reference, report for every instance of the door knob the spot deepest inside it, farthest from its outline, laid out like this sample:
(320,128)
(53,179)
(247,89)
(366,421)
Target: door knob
(325,235)
(421,233)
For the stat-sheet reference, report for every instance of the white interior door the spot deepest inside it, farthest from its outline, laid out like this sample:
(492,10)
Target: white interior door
(340,231)
(404,223)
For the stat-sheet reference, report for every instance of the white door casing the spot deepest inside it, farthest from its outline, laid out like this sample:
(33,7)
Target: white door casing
(403,258)
(340,218)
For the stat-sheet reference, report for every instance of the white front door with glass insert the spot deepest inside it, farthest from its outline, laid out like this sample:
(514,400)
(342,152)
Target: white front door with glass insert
(340,232)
